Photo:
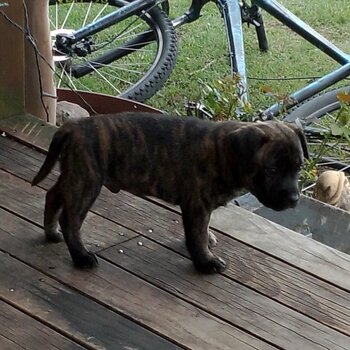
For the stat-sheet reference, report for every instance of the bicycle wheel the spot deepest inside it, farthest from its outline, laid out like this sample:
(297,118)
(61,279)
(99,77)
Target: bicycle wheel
(131,59)
(318,116)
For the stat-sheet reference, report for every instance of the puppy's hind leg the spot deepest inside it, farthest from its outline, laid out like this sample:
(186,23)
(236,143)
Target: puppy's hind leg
(195,221)
(53,207)
(75,209)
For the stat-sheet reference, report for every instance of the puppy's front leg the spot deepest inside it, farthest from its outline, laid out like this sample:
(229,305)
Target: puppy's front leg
(195,221)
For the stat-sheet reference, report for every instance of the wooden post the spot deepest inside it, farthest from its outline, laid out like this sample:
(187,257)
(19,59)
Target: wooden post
(12,100)
(39,100)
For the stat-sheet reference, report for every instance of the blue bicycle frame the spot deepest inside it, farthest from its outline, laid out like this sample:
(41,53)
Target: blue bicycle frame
(232,14)
(130,8)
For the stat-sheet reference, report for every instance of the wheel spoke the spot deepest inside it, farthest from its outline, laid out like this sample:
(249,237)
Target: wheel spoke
(106,80)
(87,14)
(100,13)
(67,15)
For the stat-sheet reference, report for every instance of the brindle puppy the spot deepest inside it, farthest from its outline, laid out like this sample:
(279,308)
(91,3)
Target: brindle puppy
(196,164)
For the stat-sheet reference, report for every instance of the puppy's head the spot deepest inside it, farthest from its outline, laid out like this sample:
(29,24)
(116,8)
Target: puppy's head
(270,156)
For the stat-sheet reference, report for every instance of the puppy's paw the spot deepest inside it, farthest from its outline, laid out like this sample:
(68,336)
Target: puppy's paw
(219,264)
(212,239)
(87,261)
(213,265)
(53,235)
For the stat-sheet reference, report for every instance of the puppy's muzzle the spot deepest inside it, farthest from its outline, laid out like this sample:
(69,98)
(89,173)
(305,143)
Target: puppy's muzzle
(293,199)
(287,199)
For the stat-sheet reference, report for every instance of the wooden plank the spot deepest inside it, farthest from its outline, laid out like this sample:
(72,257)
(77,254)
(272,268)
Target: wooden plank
(124,293)
(29,129)
(23,161)
(18,196)
(225,298)
(291,286)
(71,313)
(21,332)
(271,277)
(307,254)
(39,75)
(12,97)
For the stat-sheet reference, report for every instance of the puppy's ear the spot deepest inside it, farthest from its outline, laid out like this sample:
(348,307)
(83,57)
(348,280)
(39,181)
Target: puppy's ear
(246,141)
(302,138)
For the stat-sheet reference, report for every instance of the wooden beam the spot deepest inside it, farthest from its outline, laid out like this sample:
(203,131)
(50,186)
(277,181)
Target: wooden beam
(12,61)
(40,90)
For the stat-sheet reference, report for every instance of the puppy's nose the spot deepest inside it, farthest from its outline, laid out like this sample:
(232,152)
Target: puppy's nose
(294,199)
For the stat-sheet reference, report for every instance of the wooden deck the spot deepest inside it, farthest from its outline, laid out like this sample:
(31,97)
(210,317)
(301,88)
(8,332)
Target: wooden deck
(281,290)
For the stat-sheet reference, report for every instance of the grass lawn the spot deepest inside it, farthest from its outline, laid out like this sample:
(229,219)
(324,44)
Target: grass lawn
(203,54)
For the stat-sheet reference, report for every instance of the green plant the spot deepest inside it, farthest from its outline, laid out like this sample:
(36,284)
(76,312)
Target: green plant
(334,142)
(341,126)
(281,98)
(223,99)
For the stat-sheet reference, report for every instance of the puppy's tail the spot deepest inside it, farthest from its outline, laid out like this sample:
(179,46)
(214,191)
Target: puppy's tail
(55,149)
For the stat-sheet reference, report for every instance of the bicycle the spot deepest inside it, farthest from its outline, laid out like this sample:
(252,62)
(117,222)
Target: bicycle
(118,37)
(305,105)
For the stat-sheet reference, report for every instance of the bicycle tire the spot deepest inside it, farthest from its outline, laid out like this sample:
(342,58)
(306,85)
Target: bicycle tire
(316,107)
(159,68)
(314,111)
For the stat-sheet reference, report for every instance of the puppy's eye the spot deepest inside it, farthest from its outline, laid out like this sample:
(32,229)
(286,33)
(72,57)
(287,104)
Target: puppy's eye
(271,171)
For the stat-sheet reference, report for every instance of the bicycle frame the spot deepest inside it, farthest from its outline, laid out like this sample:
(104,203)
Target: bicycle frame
(317,40)
(130,8)
(231,11)
(235,36)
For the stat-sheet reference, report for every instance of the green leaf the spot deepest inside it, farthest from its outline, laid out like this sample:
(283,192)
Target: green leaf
(336,130)
(343,118)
